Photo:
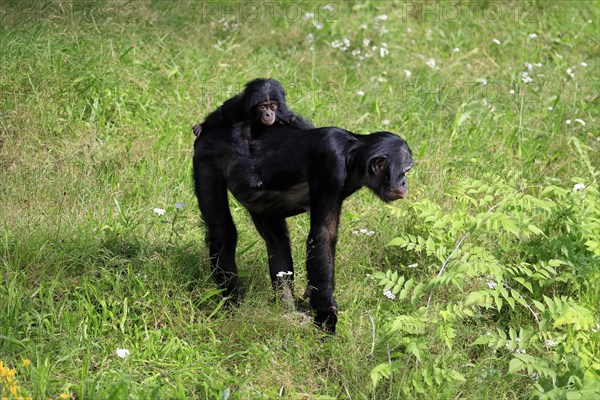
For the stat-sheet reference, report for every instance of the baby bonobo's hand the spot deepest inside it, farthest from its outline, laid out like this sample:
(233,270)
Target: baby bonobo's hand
(197,129)
(255,181)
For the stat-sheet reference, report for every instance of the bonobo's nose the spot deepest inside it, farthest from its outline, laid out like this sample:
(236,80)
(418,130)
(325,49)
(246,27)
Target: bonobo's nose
(268,118)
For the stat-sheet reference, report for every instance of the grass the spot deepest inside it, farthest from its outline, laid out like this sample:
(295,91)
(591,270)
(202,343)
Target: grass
(95,114)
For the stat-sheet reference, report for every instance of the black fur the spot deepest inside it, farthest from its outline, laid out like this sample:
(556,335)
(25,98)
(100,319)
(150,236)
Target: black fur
(241,114)
(302,170)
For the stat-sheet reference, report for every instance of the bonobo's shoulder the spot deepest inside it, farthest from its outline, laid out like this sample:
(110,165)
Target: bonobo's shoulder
(332,133)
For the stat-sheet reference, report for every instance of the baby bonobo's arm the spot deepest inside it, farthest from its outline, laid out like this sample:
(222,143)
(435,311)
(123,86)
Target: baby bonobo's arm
(245,168)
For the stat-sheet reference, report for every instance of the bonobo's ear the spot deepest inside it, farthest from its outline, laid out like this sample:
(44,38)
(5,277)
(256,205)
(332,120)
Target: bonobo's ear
(378,164)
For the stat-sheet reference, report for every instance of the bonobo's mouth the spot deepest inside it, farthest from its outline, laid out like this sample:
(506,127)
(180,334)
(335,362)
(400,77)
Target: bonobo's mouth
(268,121)
(395,194)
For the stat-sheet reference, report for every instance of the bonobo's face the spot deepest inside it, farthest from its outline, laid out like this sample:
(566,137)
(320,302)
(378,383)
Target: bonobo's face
(266,111)
(388,173)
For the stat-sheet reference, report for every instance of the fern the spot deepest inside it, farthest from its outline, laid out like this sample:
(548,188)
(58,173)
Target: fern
(529,250)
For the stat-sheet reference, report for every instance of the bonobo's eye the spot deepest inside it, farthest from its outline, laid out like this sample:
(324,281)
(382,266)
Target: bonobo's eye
(263,107)
(273,106)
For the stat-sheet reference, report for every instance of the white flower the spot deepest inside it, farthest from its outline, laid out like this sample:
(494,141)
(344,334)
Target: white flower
(385,122)
(363,231)
(430,63)
(179,205)
(488,333)
(318,25)
(415,265)
(491,284)
(484,102)
(389,294)
(383,52)
(568,122)
(532,35)
(363,26)
(578,187)
(122,353)
(360,93)
(495,41)
(550,342)
(310,38)
(538,65)
(550,108)
(511,91)
(483,81)
(528,66)
(159,211)
(409,29)
(382,17)
(309,15)
(518,340)
(582,122)
(281,274)
(456,49)
(571,73)
(525,77)
(584,64)
(366,42)
(407,73)
(328,7)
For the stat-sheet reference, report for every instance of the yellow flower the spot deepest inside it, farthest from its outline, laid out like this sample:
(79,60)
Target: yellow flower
(13,389)
(65,396)
(26,362)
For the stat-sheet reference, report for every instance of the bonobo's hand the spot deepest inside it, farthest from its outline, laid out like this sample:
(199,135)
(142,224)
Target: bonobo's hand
(197,129)
(326,320)
(254,181)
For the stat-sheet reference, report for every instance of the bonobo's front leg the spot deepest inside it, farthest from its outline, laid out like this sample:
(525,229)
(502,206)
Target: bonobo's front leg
(320,256)
(241,136)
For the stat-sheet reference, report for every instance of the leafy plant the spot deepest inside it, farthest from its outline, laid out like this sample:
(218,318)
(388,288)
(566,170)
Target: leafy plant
(515,257)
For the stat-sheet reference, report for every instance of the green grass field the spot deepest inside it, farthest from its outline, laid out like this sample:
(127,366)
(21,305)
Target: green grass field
(490,266)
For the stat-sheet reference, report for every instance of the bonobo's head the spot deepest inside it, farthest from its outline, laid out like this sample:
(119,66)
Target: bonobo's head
(387,159)
(263,98)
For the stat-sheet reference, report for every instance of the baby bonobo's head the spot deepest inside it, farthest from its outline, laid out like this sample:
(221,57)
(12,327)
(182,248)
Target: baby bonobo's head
(267,112)
(263,99)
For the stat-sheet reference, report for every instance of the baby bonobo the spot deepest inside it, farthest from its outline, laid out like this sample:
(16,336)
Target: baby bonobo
(262,103)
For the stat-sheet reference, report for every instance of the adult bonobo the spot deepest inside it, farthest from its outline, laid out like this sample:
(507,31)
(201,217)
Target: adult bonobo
(302,170)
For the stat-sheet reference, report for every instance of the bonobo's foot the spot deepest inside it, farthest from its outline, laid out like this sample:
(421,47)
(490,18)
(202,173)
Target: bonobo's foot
(326,320)
(197,129)
(233,298)
(283,289)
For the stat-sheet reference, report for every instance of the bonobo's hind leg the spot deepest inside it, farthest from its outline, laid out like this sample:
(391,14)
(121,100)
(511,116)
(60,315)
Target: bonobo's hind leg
(221,235)
(274,232)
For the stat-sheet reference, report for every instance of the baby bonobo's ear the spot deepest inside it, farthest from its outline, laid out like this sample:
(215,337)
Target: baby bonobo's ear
(197,129)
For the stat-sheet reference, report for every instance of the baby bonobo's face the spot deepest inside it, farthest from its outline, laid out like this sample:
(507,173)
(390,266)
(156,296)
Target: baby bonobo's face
(267,112)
